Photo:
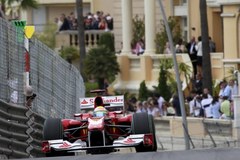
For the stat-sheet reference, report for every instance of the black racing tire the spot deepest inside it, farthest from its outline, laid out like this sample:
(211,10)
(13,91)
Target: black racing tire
(142,123)
(52,130)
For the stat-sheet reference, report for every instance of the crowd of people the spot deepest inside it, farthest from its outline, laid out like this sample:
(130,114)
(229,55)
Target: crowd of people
(200,103)
(97,21)
(194,49)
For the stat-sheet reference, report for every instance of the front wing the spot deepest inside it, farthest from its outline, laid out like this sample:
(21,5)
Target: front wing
(63,145)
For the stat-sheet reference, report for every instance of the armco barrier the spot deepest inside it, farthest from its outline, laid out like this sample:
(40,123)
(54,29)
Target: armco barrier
(13,131)
(203,133)
(197,127)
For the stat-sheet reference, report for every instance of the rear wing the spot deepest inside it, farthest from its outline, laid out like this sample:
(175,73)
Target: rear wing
(110,102)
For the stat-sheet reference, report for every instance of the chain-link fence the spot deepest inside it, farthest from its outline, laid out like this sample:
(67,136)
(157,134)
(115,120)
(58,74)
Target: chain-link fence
(58,84)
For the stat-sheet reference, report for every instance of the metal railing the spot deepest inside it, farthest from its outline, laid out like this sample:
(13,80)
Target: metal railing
(70,38)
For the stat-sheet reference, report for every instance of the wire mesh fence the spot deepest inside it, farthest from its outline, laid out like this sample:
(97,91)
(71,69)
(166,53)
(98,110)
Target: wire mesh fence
(57,83)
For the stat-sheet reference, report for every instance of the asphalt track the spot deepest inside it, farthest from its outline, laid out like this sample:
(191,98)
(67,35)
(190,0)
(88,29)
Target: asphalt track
(206,154)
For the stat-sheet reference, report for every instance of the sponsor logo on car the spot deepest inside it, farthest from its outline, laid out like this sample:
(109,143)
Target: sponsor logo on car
(129,141)
(65,145)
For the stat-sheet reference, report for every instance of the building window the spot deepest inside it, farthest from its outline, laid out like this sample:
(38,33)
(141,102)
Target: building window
(185,28)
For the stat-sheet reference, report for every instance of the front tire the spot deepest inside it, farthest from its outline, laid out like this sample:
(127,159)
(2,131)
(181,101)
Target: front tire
(142,123)
(53,130)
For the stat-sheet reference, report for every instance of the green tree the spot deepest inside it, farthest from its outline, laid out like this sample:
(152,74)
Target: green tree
(138,29)
(69,53)
(24,4)
(143,92)
(206,59)
(48,36)
(101,63)
(162,38)
(165,77)
(107,40)
(90,86)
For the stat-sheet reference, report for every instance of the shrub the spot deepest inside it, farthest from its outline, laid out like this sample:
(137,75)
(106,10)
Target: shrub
(143,92)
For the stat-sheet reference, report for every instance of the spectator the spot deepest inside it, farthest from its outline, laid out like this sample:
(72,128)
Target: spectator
(153,107)
(95,22)
(192,53)
(102,24)
(234,87)
(58,22)
(195,105)
(65,25)
(212,45)
(168,109)
(88,21)
(73,26)
(176,105)
(167,49)
(161,101)
(180,47)
(225,91)
(206,91)
(73,21)
(206,102)
(109,21)
(198,48)
(145,105)
(30,96)
(197,84)
(140,107)
(215,108)
(139,47)
(225,108)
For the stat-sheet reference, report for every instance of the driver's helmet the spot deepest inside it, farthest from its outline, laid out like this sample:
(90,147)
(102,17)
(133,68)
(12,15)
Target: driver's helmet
(99,111)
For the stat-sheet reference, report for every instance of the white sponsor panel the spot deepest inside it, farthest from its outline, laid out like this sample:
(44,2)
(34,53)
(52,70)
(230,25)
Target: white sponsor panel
(87,103)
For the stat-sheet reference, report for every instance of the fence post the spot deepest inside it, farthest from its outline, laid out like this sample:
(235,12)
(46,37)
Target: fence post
(28,31)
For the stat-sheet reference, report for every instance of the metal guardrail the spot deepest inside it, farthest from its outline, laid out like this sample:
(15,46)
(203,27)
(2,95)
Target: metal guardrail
(13,132)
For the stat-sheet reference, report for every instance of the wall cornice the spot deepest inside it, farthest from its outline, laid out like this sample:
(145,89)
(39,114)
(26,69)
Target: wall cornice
(218,3)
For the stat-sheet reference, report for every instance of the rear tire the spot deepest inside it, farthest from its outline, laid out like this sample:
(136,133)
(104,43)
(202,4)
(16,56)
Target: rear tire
(142,123)
(53,130)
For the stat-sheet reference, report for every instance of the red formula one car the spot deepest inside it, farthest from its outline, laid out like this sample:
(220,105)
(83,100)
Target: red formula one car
(103,130)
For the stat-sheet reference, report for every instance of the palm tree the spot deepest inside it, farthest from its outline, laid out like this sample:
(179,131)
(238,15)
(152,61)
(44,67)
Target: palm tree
(102,64)
(206,60)
(185,70)
(69,53)
(24,4)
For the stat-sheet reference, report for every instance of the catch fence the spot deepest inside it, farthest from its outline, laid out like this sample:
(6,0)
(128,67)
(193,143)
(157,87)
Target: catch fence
(57,84)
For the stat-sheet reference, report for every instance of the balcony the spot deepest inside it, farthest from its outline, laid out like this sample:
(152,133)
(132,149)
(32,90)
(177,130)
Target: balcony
(70,38)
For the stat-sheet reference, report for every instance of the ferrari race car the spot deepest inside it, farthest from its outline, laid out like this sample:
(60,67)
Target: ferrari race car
(101,130)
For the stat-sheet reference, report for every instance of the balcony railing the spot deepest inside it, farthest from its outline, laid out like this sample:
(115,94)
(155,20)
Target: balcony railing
(70,38)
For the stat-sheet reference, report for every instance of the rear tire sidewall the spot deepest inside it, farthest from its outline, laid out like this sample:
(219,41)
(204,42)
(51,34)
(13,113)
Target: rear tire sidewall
(142,123)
